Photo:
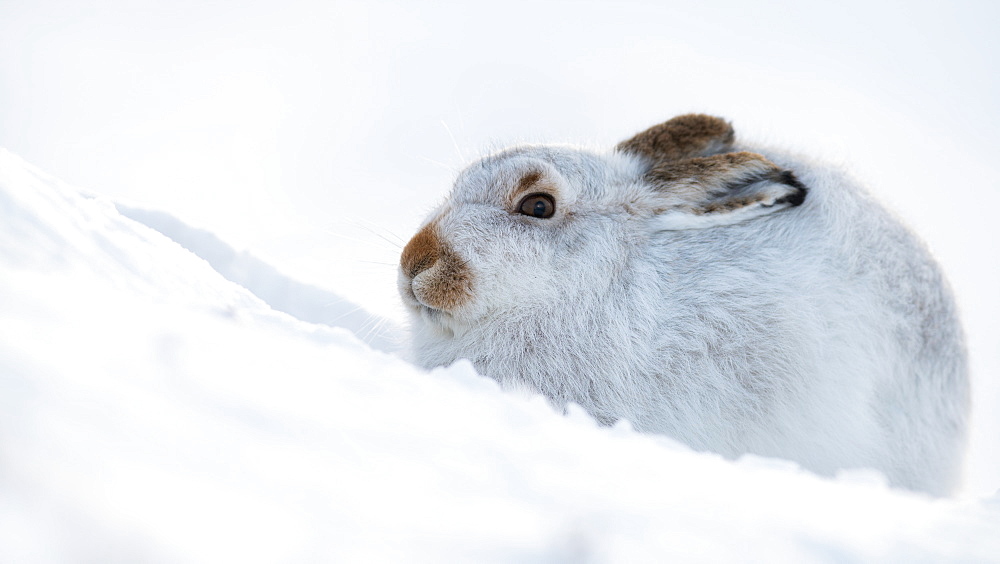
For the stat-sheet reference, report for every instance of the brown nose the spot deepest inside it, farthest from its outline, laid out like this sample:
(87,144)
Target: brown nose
(421,252)
(448,285)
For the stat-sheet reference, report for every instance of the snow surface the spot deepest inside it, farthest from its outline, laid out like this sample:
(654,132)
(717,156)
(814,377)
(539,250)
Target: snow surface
(153,410)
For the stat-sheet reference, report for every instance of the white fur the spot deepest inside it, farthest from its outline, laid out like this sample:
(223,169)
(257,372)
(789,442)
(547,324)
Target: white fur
(823,333)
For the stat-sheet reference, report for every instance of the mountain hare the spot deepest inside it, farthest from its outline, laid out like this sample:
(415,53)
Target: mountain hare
(737,299)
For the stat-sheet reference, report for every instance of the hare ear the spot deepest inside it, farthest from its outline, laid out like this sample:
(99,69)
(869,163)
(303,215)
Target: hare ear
(721,190)
(683,137)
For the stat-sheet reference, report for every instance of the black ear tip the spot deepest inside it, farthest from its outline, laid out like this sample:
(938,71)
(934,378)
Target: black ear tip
(799,195)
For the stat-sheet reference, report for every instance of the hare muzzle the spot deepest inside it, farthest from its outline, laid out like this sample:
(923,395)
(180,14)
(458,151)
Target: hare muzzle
(437,277)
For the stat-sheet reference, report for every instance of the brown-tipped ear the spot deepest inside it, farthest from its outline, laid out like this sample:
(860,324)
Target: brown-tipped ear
(721,190)
(683,137)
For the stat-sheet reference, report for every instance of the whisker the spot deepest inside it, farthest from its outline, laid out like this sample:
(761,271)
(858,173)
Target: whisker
(458,149)
(372,226)
(376,327)
(396,246)
(445,166)
(342,315)
(387,240)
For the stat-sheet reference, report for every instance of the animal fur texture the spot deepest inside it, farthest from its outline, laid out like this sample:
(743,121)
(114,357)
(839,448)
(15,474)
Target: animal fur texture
(738,299)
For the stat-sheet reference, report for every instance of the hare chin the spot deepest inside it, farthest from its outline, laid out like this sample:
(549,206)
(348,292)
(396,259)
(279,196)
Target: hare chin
(441,322)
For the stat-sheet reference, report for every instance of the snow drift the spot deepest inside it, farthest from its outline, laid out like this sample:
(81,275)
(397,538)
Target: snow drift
(153,410)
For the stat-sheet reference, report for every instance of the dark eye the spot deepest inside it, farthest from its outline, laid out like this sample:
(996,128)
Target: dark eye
(538,205)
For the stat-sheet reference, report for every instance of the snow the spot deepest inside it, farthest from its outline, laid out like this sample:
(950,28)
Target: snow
(154,410)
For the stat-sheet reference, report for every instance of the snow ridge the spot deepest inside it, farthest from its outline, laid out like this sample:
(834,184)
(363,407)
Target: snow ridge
(301,301)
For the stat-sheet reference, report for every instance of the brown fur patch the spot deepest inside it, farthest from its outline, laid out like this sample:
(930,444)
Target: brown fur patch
(717,170)
(683,137)
(713,184)
(450,283)
(526,183)
(421,252)
(729,204)
(532,182)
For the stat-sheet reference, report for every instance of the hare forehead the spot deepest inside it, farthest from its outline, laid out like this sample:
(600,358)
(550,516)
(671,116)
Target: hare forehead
(571,172)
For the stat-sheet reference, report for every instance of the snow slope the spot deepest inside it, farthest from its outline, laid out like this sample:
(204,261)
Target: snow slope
(152,410)
(302,301)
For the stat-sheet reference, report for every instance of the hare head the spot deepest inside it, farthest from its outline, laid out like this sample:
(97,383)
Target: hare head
(529,228)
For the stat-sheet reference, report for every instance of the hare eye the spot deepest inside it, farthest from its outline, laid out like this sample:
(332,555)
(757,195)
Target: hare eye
(537,205)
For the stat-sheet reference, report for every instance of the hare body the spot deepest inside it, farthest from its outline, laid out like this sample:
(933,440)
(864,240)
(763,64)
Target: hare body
(737,299)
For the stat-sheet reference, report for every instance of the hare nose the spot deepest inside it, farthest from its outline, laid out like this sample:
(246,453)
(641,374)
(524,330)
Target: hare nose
(421,252)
